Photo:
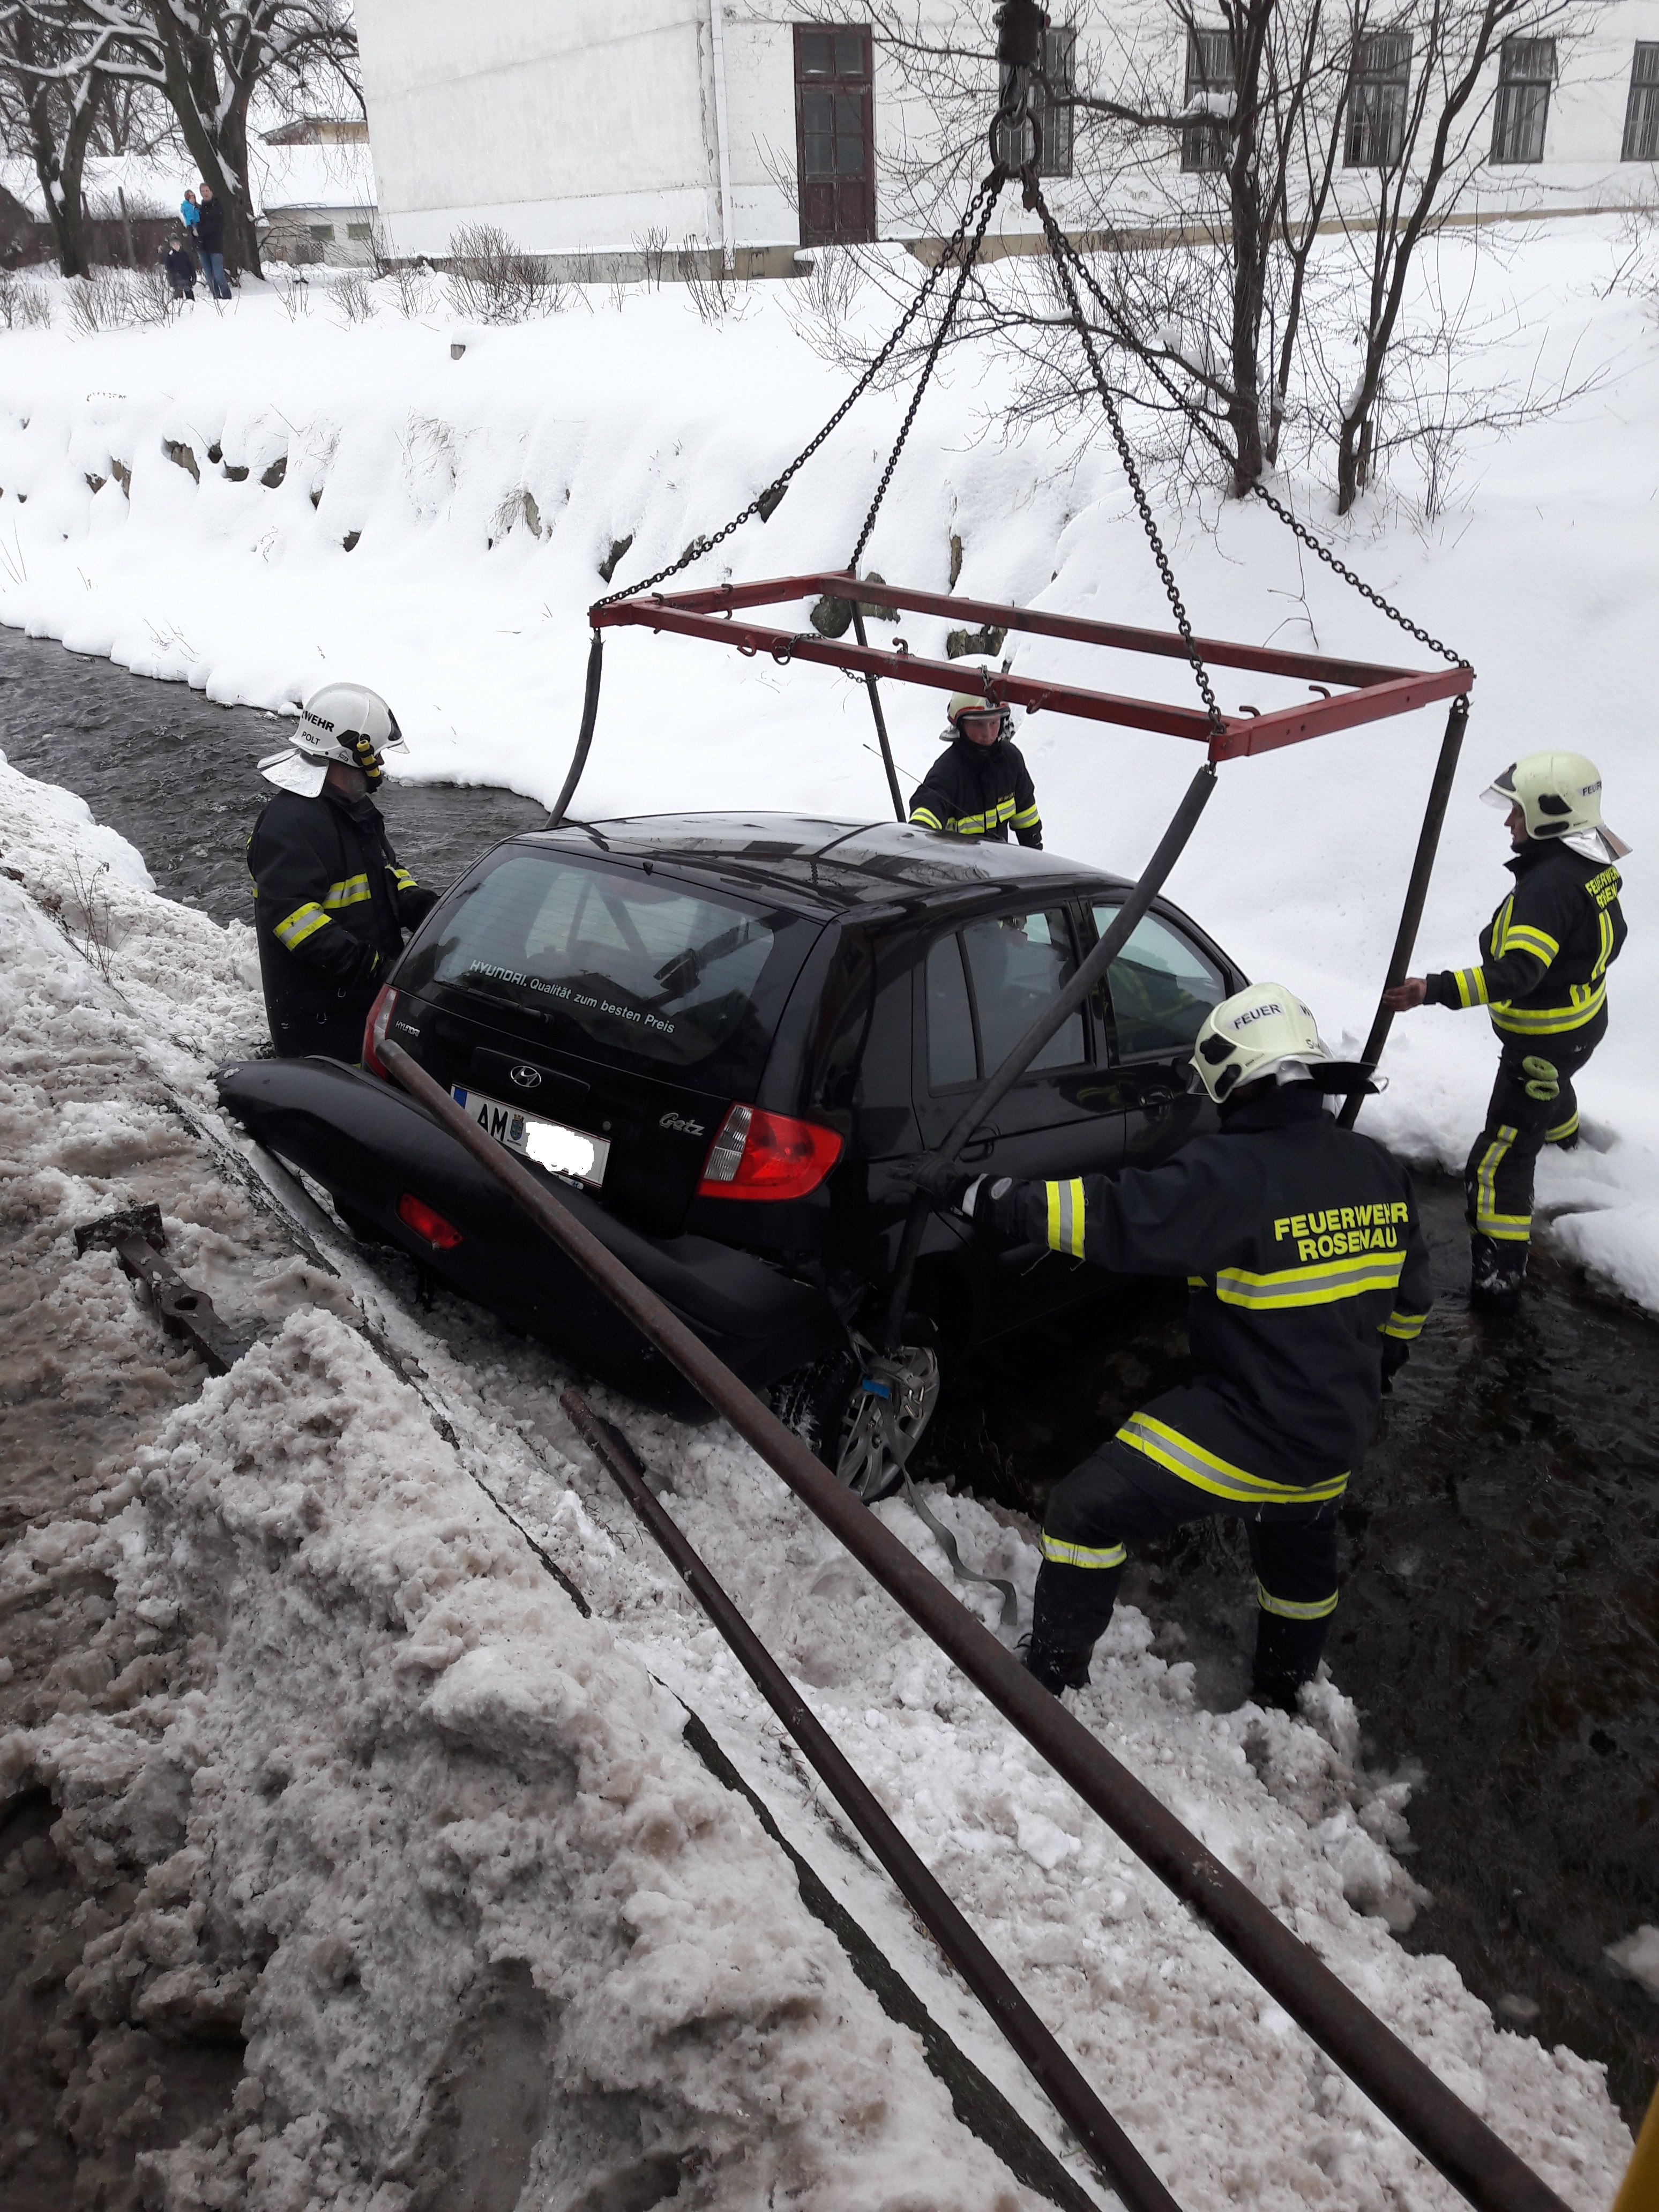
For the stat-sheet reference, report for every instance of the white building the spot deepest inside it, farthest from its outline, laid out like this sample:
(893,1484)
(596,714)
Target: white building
(313,186)
(583,128)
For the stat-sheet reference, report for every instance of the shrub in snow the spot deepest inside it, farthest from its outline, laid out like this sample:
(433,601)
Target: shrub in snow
(490,281)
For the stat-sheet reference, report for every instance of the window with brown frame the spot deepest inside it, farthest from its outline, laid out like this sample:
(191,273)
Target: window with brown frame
(1525,70)
(1642,109)
(835,133)
(1209,84)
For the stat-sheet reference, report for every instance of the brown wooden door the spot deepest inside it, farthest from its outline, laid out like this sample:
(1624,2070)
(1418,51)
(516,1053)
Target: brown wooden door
(835,134)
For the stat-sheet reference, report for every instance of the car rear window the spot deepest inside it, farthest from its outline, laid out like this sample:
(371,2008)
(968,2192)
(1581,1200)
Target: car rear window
(643,967)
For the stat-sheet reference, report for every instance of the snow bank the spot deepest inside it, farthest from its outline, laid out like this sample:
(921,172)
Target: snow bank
(431,1840)
(480,495)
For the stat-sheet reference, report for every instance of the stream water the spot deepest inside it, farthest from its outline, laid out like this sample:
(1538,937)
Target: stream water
(1499,1622)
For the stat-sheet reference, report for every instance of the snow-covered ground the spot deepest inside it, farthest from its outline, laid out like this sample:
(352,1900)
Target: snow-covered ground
(487,489)
(376,1789)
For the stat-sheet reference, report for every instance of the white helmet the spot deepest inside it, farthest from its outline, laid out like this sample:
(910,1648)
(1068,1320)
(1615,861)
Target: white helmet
(1560,795)
(1266,1031)
(336,727)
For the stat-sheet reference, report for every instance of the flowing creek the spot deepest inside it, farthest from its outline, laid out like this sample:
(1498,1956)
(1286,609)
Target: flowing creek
(1499,1622)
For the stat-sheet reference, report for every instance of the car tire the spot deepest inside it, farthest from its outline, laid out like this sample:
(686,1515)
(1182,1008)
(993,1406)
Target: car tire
(832,1408)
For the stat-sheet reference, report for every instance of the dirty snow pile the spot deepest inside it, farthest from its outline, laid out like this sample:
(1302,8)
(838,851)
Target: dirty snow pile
(395,1810)
(259,498)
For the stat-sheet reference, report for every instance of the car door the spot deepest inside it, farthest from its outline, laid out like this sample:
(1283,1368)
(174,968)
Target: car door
(1156,995)
(979,986)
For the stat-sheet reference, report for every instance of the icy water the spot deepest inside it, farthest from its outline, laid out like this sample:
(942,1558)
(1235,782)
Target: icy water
(176,775)
(1499,1623)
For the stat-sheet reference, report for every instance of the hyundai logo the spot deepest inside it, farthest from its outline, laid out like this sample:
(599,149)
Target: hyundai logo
(527,1078)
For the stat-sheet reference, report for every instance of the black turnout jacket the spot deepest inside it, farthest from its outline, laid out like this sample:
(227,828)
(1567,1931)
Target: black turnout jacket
(331,902)
(1304,1257)
(980,791)
(1545,954)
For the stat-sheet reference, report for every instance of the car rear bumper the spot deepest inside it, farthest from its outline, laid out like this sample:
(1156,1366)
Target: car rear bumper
(368,1144)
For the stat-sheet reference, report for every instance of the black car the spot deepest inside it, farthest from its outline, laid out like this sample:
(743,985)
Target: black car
(721,1036)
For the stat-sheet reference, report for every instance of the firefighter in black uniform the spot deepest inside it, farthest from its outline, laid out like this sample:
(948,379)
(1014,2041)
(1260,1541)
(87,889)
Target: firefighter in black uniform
(1307,1281)
(979,786)
(1543,980)
(331,901)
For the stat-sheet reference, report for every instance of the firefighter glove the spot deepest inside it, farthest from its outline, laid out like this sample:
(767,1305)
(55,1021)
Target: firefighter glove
(1394,1356)
(943,1179)
(1542,1082)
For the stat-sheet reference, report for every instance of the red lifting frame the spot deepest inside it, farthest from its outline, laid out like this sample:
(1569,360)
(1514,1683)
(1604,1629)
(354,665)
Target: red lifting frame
(1368,693)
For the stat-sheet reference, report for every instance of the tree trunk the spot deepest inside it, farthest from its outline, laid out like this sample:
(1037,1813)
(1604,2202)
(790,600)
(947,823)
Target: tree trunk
(58,168)
(193,93)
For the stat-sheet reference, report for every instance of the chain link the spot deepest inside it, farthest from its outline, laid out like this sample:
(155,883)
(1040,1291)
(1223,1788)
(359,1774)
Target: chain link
(987,190)
(1316,545)
(992,189)
(1063,253)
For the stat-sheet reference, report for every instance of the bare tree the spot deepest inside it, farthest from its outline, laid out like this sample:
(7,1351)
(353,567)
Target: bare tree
(53,82)
(208,59)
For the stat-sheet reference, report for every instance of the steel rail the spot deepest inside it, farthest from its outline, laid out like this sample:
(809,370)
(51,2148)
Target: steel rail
(1244,734)
(1121,2164)
(1077,629)
(1436,2121)
(1417,891)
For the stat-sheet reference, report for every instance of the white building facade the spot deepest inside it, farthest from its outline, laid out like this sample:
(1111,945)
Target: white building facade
(591,130)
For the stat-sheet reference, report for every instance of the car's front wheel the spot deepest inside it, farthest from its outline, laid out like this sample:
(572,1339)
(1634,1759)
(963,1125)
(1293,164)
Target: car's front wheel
(862,1411)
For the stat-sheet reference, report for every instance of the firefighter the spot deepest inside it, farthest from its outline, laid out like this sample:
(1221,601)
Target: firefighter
(331,901)
(979,786)
(1543,981)
(1308,1280)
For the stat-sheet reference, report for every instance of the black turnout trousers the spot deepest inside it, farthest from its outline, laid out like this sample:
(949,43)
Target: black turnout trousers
(1118,1497)
(1497,1179)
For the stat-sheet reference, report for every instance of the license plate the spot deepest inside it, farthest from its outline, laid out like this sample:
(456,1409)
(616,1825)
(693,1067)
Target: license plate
(561,1151)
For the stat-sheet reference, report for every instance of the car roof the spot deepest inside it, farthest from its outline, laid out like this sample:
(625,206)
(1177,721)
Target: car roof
(824,866)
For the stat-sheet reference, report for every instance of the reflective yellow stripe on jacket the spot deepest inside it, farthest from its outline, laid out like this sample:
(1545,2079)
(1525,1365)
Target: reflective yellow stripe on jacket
(1066,1217)
(927,818)
(352,892)
(1320,1284)
(1288,1609)
(1404,1326)
(1587,1001)
(1082,1555)
(1169,1448)
(305,921)
(1027,817)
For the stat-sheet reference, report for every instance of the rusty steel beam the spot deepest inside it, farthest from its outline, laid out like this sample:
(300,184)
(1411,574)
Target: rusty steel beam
(135,1237)
(1378,693)
(1220,653)
(1121,2164)
(1432,2118)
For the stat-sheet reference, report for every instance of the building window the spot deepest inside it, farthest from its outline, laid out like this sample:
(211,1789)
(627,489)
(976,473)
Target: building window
(360,234)
(321,233)
(1209,85)
(1525,70)
(835,131)
(1382,85)
(1641,115)
(1050,103)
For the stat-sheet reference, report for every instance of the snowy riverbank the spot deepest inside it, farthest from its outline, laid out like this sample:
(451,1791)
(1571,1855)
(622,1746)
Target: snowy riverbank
(480,494)
(341,1770)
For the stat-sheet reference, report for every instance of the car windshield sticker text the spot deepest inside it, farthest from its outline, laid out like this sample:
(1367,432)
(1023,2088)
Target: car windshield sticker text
(586,1001)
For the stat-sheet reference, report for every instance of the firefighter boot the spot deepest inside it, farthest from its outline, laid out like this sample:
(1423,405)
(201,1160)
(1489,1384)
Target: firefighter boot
(1056,1666)
(1287,1655)
(1497,1268)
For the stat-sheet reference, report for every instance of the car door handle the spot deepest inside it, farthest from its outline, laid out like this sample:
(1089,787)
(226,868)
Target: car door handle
(978,1148)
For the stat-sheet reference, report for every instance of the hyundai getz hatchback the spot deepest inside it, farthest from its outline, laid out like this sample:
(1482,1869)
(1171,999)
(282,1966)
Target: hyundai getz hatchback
(720,1038)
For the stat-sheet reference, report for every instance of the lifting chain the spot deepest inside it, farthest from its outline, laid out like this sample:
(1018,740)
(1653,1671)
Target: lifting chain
(1063,253)
(980,204)
(992,188)
(1258,490)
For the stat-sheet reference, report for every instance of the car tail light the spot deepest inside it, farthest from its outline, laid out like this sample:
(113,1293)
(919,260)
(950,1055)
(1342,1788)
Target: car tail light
(374,1030)
(414,1213)
(760,1155)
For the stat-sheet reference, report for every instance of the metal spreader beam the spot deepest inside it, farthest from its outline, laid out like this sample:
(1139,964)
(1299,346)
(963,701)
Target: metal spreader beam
(1347,694)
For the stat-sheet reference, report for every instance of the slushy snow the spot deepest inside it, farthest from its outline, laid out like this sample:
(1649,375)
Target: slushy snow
(419,1828)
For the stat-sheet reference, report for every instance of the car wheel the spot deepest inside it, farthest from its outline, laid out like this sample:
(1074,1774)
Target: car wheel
(862,1411)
